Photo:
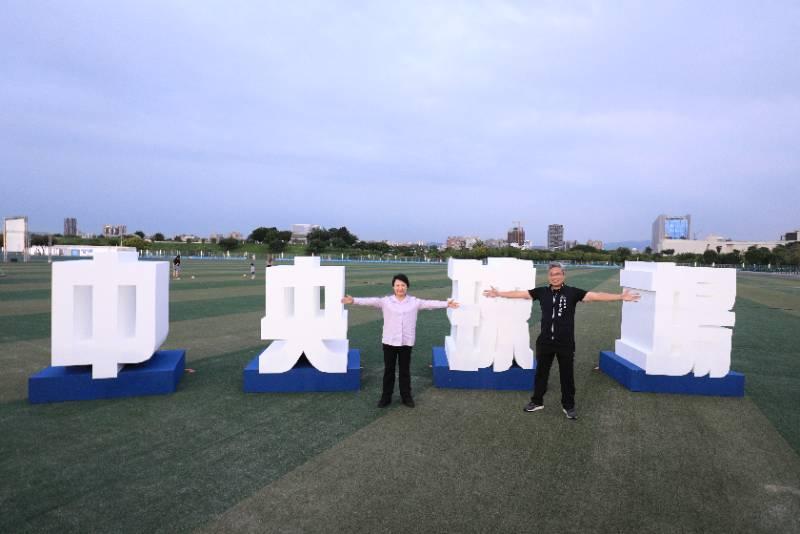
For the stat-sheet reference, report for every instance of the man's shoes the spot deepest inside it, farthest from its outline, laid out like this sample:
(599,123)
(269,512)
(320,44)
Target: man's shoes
(570,413)
(533,407)
(384,402)
(408,401)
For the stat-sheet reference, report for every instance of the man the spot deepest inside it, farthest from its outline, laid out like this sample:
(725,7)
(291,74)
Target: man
(176,267)
(557,338)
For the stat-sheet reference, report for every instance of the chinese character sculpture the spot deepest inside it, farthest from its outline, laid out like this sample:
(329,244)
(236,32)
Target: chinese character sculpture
(682,322)
(487,331)
(298,323)
(109,311)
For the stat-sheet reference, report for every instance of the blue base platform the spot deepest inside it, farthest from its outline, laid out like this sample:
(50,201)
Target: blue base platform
(304,377)
(515,378)
(157,376)
(634,378)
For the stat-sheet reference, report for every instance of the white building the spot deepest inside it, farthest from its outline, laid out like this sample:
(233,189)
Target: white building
(716,243)
(300,232)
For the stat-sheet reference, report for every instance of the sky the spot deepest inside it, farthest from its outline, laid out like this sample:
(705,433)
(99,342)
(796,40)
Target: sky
(402,120)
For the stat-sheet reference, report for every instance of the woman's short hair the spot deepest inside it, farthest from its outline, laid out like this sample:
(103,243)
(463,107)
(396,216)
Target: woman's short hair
(557,265)
(403,278)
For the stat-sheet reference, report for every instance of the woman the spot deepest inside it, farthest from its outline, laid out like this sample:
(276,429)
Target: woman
(399,332)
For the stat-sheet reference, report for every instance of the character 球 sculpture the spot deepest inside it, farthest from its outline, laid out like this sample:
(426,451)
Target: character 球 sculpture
(489,332)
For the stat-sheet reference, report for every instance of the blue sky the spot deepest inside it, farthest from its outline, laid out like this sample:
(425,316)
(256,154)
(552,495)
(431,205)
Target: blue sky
(402,120)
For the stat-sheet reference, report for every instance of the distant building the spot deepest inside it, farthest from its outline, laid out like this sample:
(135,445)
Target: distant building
(470,241)
(236,235)
(496,243)
(111,230)
(569,244)
(516,235)
(70,226)
(595,243)
(404,243)
(555,237)
(459,242)
(300,233)
(792,236)
(672,227)
(716,243)
(455,242)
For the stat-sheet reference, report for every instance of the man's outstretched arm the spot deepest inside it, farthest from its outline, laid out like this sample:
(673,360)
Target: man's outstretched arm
(493,292)
(598,296)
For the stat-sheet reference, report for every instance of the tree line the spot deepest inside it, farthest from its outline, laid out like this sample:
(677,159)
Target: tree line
(342,241)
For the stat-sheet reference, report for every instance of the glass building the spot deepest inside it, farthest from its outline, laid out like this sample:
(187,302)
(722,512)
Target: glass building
(670,227)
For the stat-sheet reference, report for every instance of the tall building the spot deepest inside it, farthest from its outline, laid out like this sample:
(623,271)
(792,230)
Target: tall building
(670,227)
(516,235)
(555,236)
(70,226)
(595,243)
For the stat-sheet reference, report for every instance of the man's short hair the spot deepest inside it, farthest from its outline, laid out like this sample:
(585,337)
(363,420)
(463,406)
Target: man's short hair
(556,265)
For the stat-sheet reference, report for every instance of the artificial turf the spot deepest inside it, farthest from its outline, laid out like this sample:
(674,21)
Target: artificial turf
(210,457)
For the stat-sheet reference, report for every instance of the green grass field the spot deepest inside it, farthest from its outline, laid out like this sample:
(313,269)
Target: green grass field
(212,458)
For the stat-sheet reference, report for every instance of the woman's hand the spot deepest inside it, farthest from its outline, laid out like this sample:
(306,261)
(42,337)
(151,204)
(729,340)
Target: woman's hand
(452,304)
(347,299)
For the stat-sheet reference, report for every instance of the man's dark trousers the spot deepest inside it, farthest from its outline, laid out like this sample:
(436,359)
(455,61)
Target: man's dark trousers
(391,354)
(566,368)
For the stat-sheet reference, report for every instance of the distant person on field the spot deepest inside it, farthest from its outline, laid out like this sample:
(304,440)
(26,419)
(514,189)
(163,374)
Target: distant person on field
(557,337)
(399,333)
(252,271)
(176,267)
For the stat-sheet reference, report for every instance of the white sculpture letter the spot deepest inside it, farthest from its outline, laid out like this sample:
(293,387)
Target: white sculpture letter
(488,331)
(108,311)
(297,322)
(679,325)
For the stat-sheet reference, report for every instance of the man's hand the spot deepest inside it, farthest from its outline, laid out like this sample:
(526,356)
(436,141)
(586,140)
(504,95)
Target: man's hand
(492,292)
(452,304)
(630,296)
(347,299)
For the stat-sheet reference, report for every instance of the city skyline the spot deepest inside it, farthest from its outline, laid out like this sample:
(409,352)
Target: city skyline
(403,123)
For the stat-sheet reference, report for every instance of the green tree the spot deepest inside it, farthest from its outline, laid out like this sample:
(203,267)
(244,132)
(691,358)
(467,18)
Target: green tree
(710,256)
(316,245)
(158,236)
(621,254)
(757,255)
(228,243)
(261,234)
(135,241)
(39,240)
(139,233)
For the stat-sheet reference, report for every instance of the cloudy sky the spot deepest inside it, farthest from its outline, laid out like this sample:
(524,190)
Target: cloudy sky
(402,120)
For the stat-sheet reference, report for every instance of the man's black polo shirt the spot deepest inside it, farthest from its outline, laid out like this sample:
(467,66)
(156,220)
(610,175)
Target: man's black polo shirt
(558,315)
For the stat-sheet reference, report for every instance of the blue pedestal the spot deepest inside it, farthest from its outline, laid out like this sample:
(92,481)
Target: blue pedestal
(157,376)
(304,377)
(634,378)
(515,378)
